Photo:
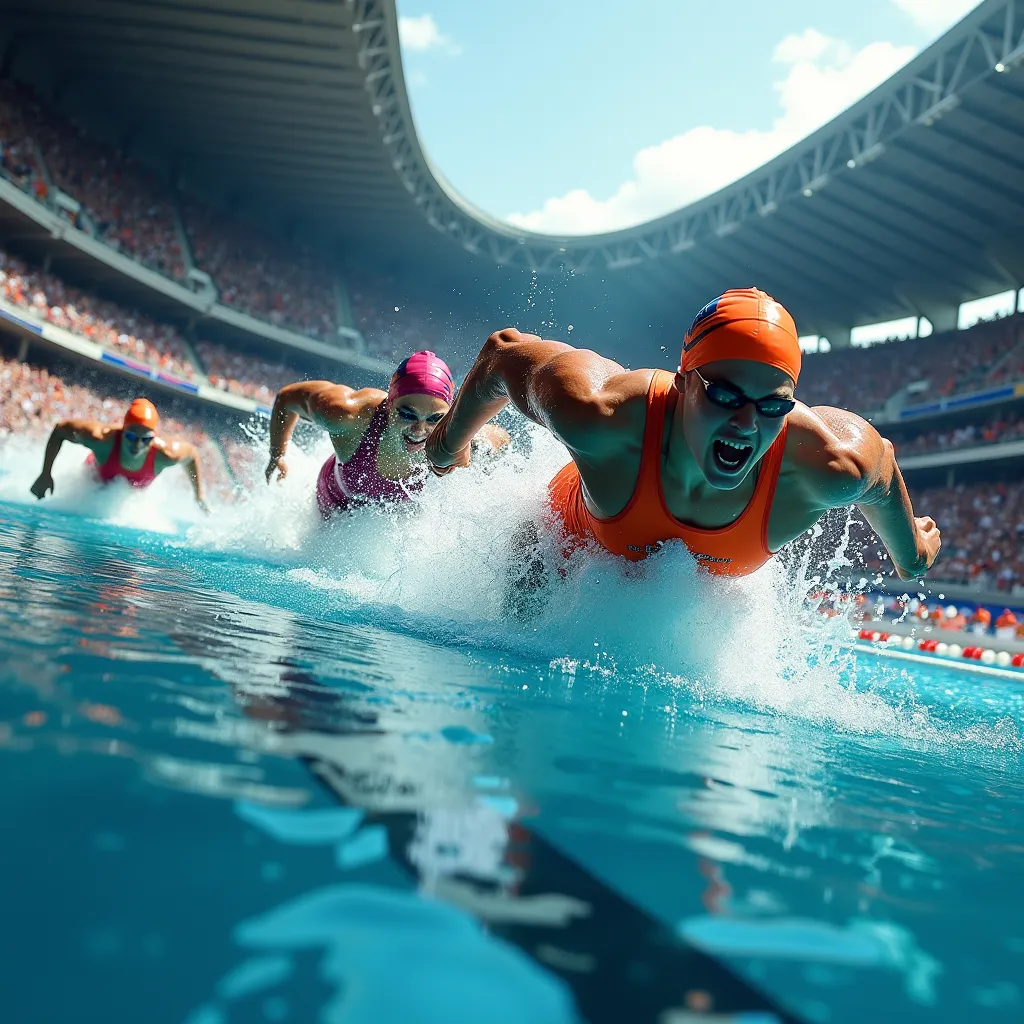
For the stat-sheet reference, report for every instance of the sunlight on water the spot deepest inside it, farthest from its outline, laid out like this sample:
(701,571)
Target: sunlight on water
(438,570)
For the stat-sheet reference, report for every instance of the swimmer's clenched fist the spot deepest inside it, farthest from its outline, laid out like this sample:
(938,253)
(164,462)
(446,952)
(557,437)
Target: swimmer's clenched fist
(720,455)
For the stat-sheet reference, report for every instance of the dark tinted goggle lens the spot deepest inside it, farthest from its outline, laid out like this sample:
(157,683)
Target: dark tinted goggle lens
(133,437)
(773,408)
(724,397)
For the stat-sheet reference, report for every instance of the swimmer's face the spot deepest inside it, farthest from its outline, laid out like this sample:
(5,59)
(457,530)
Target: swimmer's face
(413,417)
(136,439)
(728,443)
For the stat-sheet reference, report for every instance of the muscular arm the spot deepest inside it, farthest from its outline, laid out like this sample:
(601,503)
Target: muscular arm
(562,388)
(334,407)
(858,467)
(181,453)
(94,436)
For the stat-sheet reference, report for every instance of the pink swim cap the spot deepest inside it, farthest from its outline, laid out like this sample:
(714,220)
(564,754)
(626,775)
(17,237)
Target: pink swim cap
(423,373)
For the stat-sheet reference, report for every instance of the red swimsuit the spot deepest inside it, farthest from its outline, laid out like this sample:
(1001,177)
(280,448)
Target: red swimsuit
(112,468)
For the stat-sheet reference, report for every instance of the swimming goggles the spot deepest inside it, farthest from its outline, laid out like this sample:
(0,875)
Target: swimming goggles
(132,438)
(727,397)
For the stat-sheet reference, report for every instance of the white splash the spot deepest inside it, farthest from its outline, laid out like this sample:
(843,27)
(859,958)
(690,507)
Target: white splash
(165,507)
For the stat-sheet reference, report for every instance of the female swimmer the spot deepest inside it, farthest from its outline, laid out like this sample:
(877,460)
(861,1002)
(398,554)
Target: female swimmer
(378,436)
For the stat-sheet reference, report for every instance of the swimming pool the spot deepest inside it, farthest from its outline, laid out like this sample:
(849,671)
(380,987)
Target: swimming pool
(245,785)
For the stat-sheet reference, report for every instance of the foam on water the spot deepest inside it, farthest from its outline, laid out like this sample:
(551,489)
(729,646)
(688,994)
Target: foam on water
(439,568)
(165,507)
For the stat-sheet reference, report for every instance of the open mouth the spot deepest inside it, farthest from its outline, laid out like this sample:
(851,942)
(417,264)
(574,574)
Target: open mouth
(731,456)
(412,444)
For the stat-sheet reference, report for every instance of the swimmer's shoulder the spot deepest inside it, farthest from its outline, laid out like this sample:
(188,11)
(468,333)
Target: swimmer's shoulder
(829,451)
(96,436)
(337,407)
(171,450)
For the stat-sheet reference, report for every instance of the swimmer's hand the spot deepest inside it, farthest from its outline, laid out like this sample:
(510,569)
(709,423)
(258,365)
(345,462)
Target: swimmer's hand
(439,459)
(277,463)
(43,486)
(929,540)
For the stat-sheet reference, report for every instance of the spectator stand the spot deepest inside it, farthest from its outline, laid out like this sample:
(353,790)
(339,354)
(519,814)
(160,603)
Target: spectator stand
(102,243)
(28,324)
(900,380)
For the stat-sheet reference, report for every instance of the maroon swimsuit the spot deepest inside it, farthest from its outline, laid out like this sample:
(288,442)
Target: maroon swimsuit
(341,485)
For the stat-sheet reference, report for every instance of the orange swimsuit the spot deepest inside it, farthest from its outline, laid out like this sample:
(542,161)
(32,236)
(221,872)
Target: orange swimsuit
(641,527)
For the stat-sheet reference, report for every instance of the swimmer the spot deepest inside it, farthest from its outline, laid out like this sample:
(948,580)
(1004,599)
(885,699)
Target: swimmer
(378,436)
(131,452)
(719,454)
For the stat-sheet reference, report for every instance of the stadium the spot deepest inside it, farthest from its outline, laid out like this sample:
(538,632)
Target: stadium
(202,203)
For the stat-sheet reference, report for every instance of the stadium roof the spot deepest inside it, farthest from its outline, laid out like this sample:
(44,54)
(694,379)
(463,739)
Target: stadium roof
(909,202)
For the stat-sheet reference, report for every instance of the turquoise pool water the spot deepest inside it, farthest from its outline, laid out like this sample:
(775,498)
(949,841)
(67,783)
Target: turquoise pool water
(253,775)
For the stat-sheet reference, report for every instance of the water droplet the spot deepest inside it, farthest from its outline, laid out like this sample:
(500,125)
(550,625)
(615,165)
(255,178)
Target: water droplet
(570,327)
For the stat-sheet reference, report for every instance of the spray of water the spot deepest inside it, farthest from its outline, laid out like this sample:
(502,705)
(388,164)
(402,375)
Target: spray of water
(440,569)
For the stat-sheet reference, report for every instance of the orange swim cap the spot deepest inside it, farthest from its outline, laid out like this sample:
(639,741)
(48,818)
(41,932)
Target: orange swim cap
(142,413)
(743,323)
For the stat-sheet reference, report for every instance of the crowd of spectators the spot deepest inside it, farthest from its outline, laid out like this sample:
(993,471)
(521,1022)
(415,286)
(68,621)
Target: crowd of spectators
(130,209)
(120,202)
(260,275)
(32,400)
(124,204)
(982,533)
(864,379)
(132,334)
(18,157)
(106,323)
(1000,427)
(244,374)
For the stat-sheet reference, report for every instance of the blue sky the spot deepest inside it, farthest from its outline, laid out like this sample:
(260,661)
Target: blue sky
(571,116)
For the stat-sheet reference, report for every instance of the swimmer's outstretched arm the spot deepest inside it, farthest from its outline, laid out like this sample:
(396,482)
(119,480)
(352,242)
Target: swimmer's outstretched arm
(181,453)
(855,465)
(94,436)
(335,407)
(568,390)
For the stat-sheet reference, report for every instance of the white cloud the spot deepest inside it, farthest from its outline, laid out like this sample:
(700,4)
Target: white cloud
(809,45)
(935,16)
(822,77)
(420,34)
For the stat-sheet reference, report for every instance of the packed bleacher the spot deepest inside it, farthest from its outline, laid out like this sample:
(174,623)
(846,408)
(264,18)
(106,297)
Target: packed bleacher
(864,379)
(997,428)
(132,334)
(114,197)
(117,201)
(128,208)
(245,374)
(106,323)
(260,275)
(982,531)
